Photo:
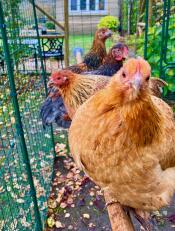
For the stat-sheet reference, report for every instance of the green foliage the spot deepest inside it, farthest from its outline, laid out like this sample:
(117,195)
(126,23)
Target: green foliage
(14,23)
(130,7)
(154,51)
(110,22)
(50,25)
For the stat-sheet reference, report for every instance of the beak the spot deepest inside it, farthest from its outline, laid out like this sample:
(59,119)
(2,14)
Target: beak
(50,83)
(65,78)
(136,82)
(109,33)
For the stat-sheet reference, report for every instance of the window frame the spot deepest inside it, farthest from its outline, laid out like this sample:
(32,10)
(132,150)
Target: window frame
(88,11)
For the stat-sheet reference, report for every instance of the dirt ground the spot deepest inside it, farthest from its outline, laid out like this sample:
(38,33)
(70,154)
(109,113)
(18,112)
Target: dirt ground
(76,203)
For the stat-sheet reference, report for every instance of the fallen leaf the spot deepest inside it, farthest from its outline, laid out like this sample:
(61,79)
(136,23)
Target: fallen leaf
(52,204)
(92,194)
(50,222)
(67,215)
(58,173)
(86,215)
(63,205)
(91,225)
(69,175)
(12,120)
(20,201)
(58,224)
(91,203)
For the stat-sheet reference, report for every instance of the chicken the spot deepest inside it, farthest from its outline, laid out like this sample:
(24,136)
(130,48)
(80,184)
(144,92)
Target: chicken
(75,89)
(113,61)
(93,59)
(156,86)
(123,138)
(71,87)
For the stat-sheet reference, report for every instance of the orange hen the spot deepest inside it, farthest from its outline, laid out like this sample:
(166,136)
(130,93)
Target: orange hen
(124,139)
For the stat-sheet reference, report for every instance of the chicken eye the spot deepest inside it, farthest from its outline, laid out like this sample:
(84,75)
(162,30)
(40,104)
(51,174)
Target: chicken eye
(148,77)
(124,75)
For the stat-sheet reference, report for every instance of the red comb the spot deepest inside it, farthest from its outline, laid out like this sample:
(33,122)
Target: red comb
(61,73)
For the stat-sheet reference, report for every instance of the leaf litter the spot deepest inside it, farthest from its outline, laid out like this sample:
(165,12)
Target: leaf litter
(76,203)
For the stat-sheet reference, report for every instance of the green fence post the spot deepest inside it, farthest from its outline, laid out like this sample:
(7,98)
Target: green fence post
(39,45)
(146,29)
(162,54)
(19,127)
(167,18)
(42,64)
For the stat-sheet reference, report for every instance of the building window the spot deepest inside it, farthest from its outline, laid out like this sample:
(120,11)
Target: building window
(87,6)
(73,5)
(83,4)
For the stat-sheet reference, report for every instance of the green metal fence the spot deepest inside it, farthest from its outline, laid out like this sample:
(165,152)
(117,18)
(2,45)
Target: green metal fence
(160,42)
(150,30)
(26,150)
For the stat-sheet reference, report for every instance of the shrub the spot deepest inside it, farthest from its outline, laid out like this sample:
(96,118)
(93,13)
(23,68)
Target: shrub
(50,25)
(110,22)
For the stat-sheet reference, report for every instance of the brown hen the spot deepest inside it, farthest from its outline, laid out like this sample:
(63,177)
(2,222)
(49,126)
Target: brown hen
(93,59)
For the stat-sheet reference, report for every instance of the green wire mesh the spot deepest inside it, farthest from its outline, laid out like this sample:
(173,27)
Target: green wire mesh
(149,29)
(16,195)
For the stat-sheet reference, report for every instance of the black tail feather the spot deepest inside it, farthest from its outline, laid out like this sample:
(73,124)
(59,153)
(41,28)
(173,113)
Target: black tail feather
(53,111)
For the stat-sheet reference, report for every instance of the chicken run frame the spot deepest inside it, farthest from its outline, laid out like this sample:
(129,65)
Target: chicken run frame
(26,148)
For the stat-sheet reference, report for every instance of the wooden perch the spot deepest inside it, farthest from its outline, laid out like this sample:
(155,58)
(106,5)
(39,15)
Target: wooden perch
(49,16)
(118,218)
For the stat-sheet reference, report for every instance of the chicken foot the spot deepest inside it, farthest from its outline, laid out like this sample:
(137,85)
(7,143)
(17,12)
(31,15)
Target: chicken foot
(144,218)
(144,222)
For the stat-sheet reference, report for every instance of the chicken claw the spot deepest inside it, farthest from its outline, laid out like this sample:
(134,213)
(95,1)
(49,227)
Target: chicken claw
(144,218)
(111,202)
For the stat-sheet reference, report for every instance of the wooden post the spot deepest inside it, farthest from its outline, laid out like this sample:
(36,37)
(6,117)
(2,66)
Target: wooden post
(150,12)
(48,16)
(118,218)
(66,31)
